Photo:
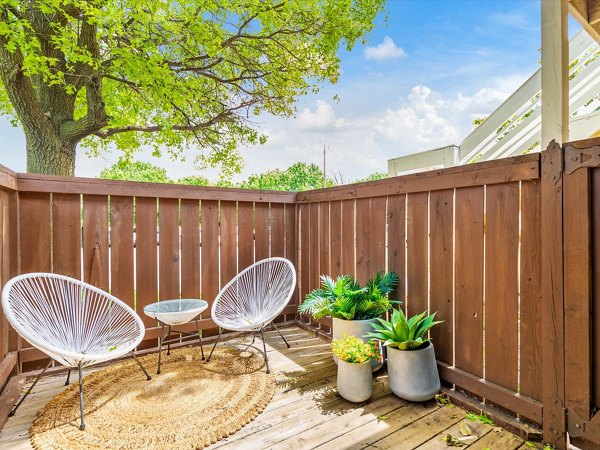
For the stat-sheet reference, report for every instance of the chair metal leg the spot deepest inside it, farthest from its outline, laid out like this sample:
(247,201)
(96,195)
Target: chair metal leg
(216,342)
(68,377)
(169,343)
(148,377)
(14,410)
(82,424)
(262,334)
(251,343)
(200,337)
(162,333)
(286,342)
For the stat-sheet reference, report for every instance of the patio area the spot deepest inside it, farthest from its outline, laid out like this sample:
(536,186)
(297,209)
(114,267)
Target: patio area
(307,413)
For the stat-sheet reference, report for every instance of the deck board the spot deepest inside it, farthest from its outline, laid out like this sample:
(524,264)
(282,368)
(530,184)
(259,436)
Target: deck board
(307,413)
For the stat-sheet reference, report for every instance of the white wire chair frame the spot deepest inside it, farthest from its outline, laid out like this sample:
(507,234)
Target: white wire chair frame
(74,323)
(254,298)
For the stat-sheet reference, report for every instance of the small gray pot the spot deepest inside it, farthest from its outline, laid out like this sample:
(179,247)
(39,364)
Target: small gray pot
(354,381)
(413,374)
(358,328)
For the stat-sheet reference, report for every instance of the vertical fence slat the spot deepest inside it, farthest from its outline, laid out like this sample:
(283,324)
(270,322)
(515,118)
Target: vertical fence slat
(324,268)
(66,233)
(468,283)
(146,255)
(501,284)
(190,249)
(417,261)
(4,272)
(168,216)
(348,266)
(313,247)
(531,291)
(291,243)
(95,240)
(210,250)
(262,230)
(363,237)
(36,238)
(335,240)
(577,272)
(228,241)
(245,235)
(277,230)
(595,233)
(397,242)
(377,225)
(121,249)
(304,233)
(441,261)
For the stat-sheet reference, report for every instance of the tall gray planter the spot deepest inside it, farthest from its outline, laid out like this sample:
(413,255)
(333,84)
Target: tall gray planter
(413,374)
(358,328)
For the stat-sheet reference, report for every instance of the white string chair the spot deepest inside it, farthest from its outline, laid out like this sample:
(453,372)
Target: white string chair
(254,298)
(74,323)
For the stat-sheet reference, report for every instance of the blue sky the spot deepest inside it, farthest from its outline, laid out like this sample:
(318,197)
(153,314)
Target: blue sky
(417,83)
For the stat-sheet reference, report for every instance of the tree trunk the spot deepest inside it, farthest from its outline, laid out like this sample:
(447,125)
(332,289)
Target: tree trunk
(48,154)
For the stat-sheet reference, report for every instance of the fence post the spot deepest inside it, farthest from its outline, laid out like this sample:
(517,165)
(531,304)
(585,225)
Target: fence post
(553,358)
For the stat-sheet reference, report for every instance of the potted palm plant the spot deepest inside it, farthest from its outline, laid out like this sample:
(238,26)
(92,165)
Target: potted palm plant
(354,376)
(352,307)
(412,369)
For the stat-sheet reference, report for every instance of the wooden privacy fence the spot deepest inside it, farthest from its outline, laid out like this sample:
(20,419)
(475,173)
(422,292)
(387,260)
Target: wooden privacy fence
(505,251)
(465,242)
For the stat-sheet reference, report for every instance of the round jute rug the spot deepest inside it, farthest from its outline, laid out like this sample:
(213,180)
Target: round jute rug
(189,405)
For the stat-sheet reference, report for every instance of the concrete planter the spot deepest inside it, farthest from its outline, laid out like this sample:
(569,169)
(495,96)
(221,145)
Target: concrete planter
(358,328)
(354,381)
(413,374)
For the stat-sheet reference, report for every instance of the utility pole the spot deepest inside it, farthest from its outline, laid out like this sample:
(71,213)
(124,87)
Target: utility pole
(324,166)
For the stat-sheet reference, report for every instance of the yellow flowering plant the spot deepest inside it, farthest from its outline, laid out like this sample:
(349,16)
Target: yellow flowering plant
(353,350)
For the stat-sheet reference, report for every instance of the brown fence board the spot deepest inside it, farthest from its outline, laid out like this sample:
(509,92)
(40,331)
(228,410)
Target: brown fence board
(36,238)
(146,248)
(95,240)
(363,239)
(304,246)
(168,261)
(291,243)
(324,239)
(245,235)
(348,266)
(577,266)
(4,277)
(66,234)
(335,238)
(397,242)
(441,264)
(314,269)
(377,249)
(210,250)
(228,241)
(277,230)
(190,249)
(261,231)
(417,257)
(501,284)
(595,233)
(121,249)
(468,282)
(531,291)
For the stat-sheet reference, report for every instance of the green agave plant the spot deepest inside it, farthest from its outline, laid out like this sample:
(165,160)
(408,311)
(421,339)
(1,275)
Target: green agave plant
(344,298)
(403,333)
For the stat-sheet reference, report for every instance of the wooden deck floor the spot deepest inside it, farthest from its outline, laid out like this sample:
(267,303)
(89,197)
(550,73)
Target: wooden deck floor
(307,413)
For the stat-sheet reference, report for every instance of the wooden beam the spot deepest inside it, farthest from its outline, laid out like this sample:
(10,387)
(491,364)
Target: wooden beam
(593,10)
(555,72)
(582,17)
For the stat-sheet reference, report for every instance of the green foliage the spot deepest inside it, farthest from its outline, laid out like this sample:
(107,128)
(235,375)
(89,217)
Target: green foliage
(194,180)
(403,333)
(373,177)
(298,177)
(480,418)
(135,171)
(345,299)
(353,350)
(171,75)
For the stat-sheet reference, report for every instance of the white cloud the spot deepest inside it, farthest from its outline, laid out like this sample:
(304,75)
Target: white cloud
(387,49)
(322,118)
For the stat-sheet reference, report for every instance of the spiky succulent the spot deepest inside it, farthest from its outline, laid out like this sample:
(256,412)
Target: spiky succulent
(403,333)
(344,298)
